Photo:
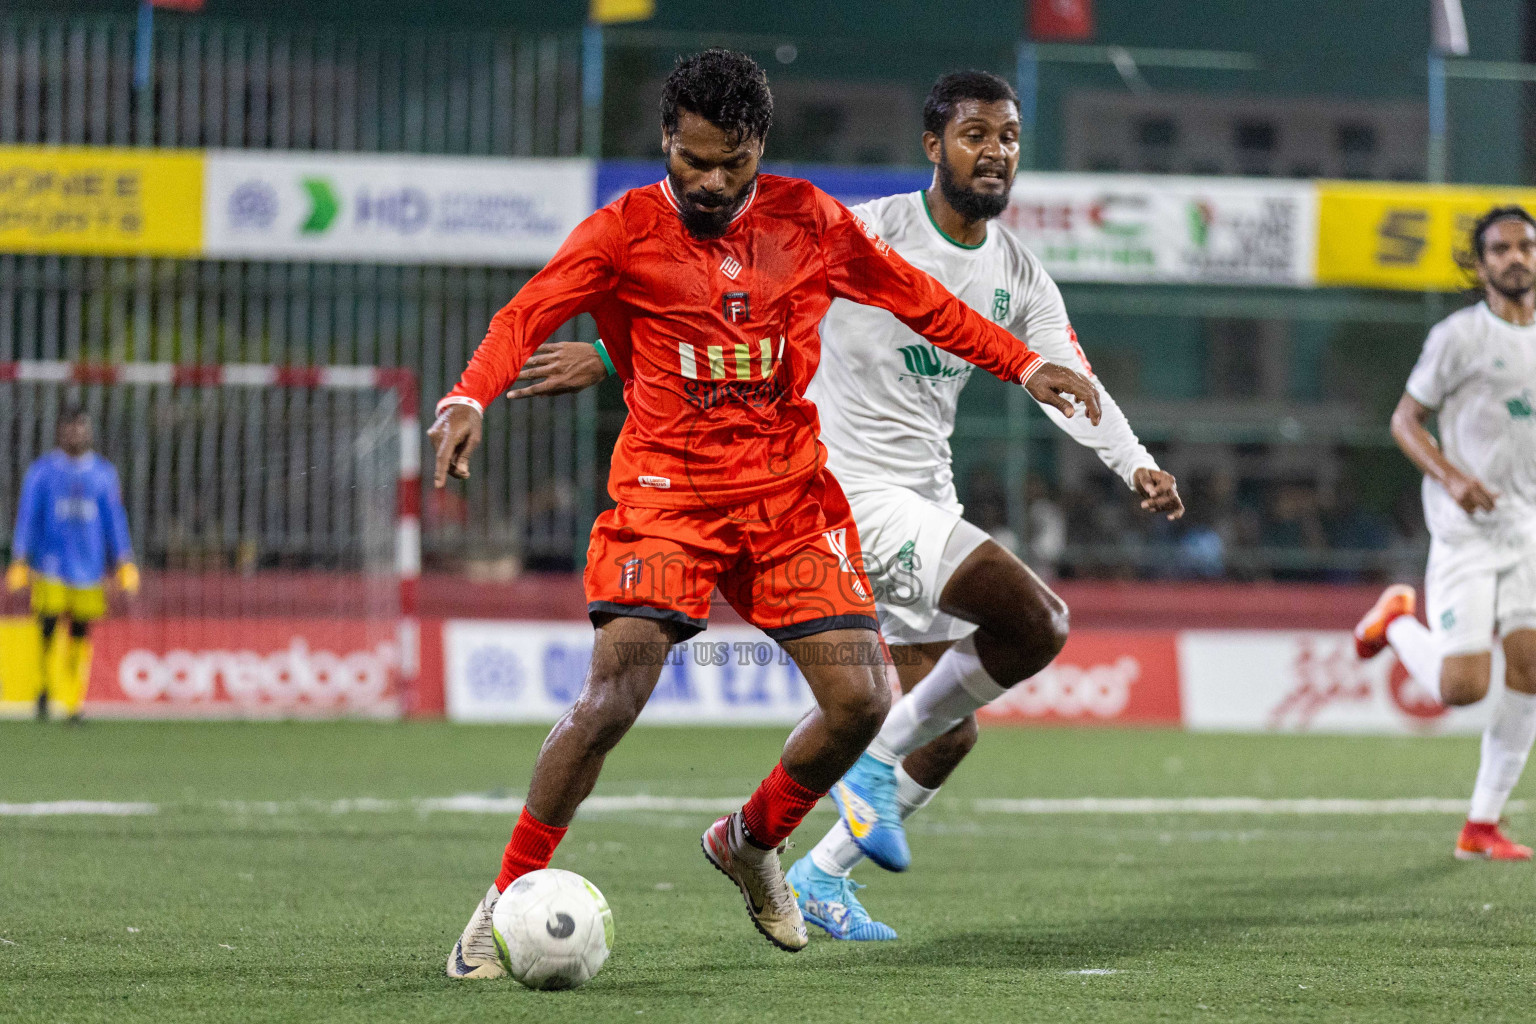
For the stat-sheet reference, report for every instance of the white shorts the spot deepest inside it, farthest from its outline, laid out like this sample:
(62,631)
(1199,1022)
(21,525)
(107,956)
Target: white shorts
(912,546)
(1471,595)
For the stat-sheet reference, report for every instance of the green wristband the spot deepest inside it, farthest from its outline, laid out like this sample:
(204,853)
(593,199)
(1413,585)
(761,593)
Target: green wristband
(602,353)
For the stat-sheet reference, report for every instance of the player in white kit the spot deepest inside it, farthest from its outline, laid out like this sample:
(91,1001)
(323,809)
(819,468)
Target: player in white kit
(1477,375)
(965,618)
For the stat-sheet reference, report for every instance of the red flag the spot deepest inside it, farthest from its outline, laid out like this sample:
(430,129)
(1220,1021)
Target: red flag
(1060,20)
(178,5)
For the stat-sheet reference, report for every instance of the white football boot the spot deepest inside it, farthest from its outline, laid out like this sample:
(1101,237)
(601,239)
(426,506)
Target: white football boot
(474,955)
(758,874)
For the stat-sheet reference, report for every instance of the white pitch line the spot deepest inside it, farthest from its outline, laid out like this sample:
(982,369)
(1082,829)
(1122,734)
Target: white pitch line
(478,803)
(52,807)
(1229,805)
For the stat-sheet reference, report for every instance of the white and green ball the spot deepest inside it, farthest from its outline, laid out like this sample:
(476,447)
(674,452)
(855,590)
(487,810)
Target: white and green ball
(553,929)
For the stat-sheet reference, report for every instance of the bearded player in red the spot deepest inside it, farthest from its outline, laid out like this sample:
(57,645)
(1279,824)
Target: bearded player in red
(708,288)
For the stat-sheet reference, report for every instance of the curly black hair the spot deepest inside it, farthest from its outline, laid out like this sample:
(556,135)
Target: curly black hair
(1492,217)
(950,89)
(725,88)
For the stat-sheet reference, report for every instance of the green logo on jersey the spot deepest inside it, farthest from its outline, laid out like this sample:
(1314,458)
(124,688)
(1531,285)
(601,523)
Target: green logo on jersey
(1447,619)
(906,558)
(1520,406)
(1001,300)
(923,361)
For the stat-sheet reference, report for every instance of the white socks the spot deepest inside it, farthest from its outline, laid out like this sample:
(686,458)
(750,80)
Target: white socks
(837,853)
(1511,730)
(957,687)
(1416,649)
(1506,745)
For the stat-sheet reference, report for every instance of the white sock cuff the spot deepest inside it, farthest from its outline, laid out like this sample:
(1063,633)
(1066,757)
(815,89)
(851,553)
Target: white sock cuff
(973,677)
(911,796)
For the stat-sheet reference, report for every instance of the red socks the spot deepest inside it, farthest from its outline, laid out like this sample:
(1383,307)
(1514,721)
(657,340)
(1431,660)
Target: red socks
(770,816)
(776,808)
(530,848)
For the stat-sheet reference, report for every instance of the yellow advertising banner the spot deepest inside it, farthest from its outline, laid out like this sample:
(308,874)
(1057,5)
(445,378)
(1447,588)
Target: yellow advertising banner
(20,665)
(1377,235)
(101,201)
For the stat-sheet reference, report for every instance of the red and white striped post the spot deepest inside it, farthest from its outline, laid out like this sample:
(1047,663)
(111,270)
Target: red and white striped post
(258,375)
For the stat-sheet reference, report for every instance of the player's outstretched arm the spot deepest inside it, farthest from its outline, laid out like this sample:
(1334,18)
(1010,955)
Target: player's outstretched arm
(455,435)
(574,281)
(1416,442)
(28,519)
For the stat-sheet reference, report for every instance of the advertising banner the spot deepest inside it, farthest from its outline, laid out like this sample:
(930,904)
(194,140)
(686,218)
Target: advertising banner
(848,185)
(101,201)
(391,209)
(1165,229)
(1375,235)
(1281,681)
(1100,677)
(533,672)
(245,668)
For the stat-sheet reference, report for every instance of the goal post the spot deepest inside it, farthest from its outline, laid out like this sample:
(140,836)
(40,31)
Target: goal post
(276,513)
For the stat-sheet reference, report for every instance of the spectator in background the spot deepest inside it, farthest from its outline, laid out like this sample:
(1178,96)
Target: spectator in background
(1047,528)
(1353,530)
(1202,544)
(1295,521)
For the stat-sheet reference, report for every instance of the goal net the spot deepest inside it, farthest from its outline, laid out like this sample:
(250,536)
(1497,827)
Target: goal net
(274,512)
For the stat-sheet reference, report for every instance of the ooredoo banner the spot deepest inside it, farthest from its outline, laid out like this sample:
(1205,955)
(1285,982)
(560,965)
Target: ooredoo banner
(246,668)
(391,209)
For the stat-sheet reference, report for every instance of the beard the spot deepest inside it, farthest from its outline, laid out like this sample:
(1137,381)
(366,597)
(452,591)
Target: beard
(1514,284)
(703,214)
(967,202)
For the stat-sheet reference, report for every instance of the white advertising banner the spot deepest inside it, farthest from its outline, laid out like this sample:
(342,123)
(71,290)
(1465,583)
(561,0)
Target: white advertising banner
(1280,681)
(533,672)
(391,208)
(1127,228)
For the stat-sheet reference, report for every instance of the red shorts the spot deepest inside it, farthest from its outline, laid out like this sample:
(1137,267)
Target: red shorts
(791,566)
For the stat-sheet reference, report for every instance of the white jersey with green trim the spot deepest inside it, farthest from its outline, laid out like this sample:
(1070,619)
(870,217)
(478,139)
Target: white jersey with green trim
(887,398)
(1479,374)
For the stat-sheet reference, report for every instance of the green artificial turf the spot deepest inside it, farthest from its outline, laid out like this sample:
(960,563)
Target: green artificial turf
(251,896)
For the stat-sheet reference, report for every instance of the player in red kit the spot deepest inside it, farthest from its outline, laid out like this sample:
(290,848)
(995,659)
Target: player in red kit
(708,288)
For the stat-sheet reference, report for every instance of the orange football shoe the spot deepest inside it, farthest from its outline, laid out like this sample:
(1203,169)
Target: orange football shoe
(1483,841)
(1371,631)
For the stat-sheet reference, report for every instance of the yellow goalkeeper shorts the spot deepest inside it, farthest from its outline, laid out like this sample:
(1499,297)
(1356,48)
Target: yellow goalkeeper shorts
(79,604)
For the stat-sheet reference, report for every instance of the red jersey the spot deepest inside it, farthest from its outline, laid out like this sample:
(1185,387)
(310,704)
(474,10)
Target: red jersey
(717,338)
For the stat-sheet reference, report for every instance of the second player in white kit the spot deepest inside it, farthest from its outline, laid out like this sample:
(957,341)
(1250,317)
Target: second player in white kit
(887,402)
(965,619)
(1477,376)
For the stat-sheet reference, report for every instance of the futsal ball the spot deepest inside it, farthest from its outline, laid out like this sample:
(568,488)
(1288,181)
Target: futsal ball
(553,929)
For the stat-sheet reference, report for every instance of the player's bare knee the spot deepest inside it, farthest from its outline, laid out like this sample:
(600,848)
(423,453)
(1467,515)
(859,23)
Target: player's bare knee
(605,712)
(1463,683)
(1520,675)
(857,712)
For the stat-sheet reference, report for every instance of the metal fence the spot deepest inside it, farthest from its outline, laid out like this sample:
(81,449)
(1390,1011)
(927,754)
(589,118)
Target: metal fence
(256,86)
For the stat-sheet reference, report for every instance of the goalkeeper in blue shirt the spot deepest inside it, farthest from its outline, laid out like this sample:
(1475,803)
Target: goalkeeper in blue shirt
(71,531)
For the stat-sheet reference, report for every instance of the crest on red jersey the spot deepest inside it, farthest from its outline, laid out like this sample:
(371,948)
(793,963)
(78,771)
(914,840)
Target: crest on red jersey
(735,307)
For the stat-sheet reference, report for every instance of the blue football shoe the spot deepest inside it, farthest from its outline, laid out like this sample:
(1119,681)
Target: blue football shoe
(866,798)
(829,903)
